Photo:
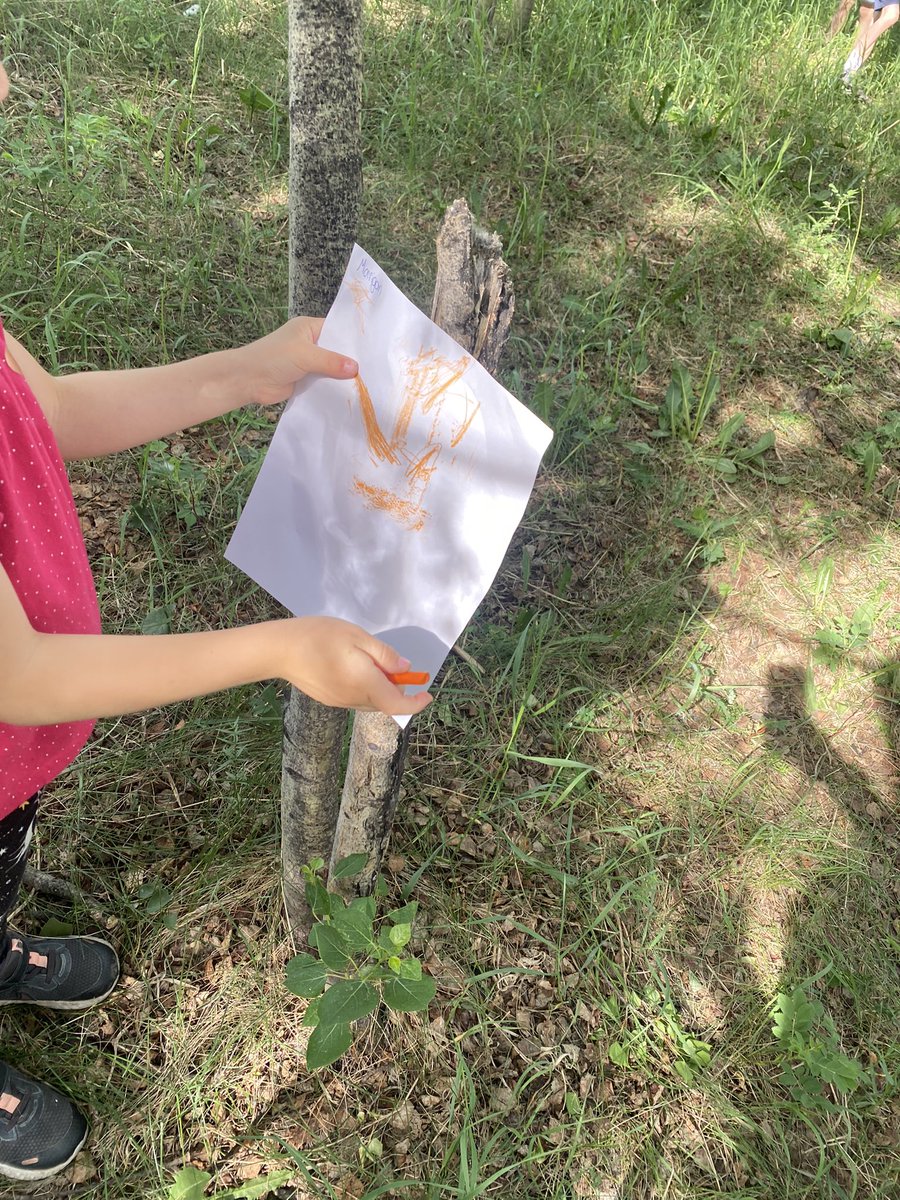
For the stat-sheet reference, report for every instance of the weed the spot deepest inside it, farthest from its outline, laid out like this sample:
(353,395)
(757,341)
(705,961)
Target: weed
(845,634)
(809,1040)
(371,966)
(682,414)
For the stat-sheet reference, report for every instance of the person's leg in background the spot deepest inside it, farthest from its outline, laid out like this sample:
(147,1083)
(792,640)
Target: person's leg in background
(884,16)
(843,11)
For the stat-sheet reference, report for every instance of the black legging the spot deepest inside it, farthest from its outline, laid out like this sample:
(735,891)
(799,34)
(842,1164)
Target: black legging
(15,837)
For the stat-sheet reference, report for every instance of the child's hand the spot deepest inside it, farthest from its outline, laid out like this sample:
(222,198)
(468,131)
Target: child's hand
(338,663)
(276,362)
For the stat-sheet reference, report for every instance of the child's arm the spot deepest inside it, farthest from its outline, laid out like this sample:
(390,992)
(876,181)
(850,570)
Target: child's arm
(50,678)
(99,412)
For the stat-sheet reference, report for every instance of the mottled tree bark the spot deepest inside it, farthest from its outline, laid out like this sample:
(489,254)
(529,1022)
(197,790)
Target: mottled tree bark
(325,183)
(310,795)
(473,302)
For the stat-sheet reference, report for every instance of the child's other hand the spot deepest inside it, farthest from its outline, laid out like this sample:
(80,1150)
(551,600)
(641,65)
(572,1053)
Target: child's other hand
(278,361)
(338,663)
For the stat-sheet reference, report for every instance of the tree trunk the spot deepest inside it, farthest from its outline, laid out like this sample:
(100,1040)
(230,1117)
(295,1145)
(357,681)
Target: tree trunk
(371,792)
(325,184)
(325,181)
(310,796)
(522,16)
(473,302)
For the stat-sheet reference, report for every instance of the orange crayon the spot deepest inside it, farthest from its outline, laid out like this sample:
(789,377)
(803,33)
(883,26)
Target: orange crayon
(401,677)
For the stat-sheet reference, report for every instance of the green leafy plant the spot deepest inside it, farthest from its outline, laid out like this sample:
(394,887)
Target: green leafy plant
(649,113)
(729,458)
(683,413)
(155,899)
(706,532)
(870,451)
(810,1043)
(653,1034)
(844,634)
(190,1183)
(181,478)
(361,962)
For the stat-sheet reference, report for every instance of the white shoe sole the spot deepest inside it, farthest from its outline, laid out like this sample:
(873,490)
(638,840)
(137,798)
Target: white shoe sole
(22,1174)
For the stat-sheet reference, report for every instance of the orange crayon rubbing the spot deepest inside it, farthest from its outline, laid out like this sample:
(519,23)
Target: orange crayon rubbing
(402,677)
(403,511)
(378,443)
(429,376)
(361,299)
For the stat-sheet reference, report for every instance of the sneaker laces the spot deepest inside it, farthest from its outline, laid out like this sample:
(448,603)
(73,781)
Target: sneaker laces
(30,963)
(8,1119)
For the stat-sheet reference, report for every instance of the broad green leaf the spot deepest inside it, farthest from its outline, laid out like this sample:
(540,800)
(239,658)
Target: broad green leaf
(317,898)
(384,939)
(618,1054)
(400,935)
(305,975)
(395,964)
(405,915)
(761,445)
(410,968)
(157,620)
(266,705)
(835,1068)
(730,428)
(364,904)
(683,1070)
(355,927)
(189,1184)
(346,1001)
(326,1045)
(409,995)
(724,465)
(332,947)
(794,1015)
(311,1016)
(256,99)
(351,865)
(255,1189)
(54,928)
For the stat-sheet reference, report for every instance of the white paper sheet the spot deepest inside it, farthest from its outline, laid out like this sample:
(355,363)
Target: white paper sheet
(390,500)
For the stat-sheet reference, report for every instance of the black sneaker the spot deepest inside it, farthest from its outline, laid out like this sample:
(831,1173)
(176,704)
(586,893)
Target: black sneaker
(68,973)
(40,1131)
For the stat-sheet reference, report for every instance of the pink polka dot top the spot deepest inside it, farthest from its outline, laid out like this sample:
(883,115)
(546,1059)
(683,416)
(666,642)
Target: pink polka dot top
(43,553)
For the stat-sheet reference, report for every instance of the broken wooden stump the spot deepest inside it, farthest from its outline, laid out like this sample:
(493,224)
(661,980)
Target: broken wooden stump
(473,302)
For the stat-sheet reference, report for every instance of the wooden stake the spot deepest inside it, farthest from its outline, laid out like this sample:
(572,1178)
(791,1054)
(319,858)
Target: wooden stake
(473,302)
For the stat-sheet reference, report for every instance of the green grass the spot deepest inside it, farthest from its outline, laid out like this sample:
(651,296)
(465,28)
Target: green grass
(671,796)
